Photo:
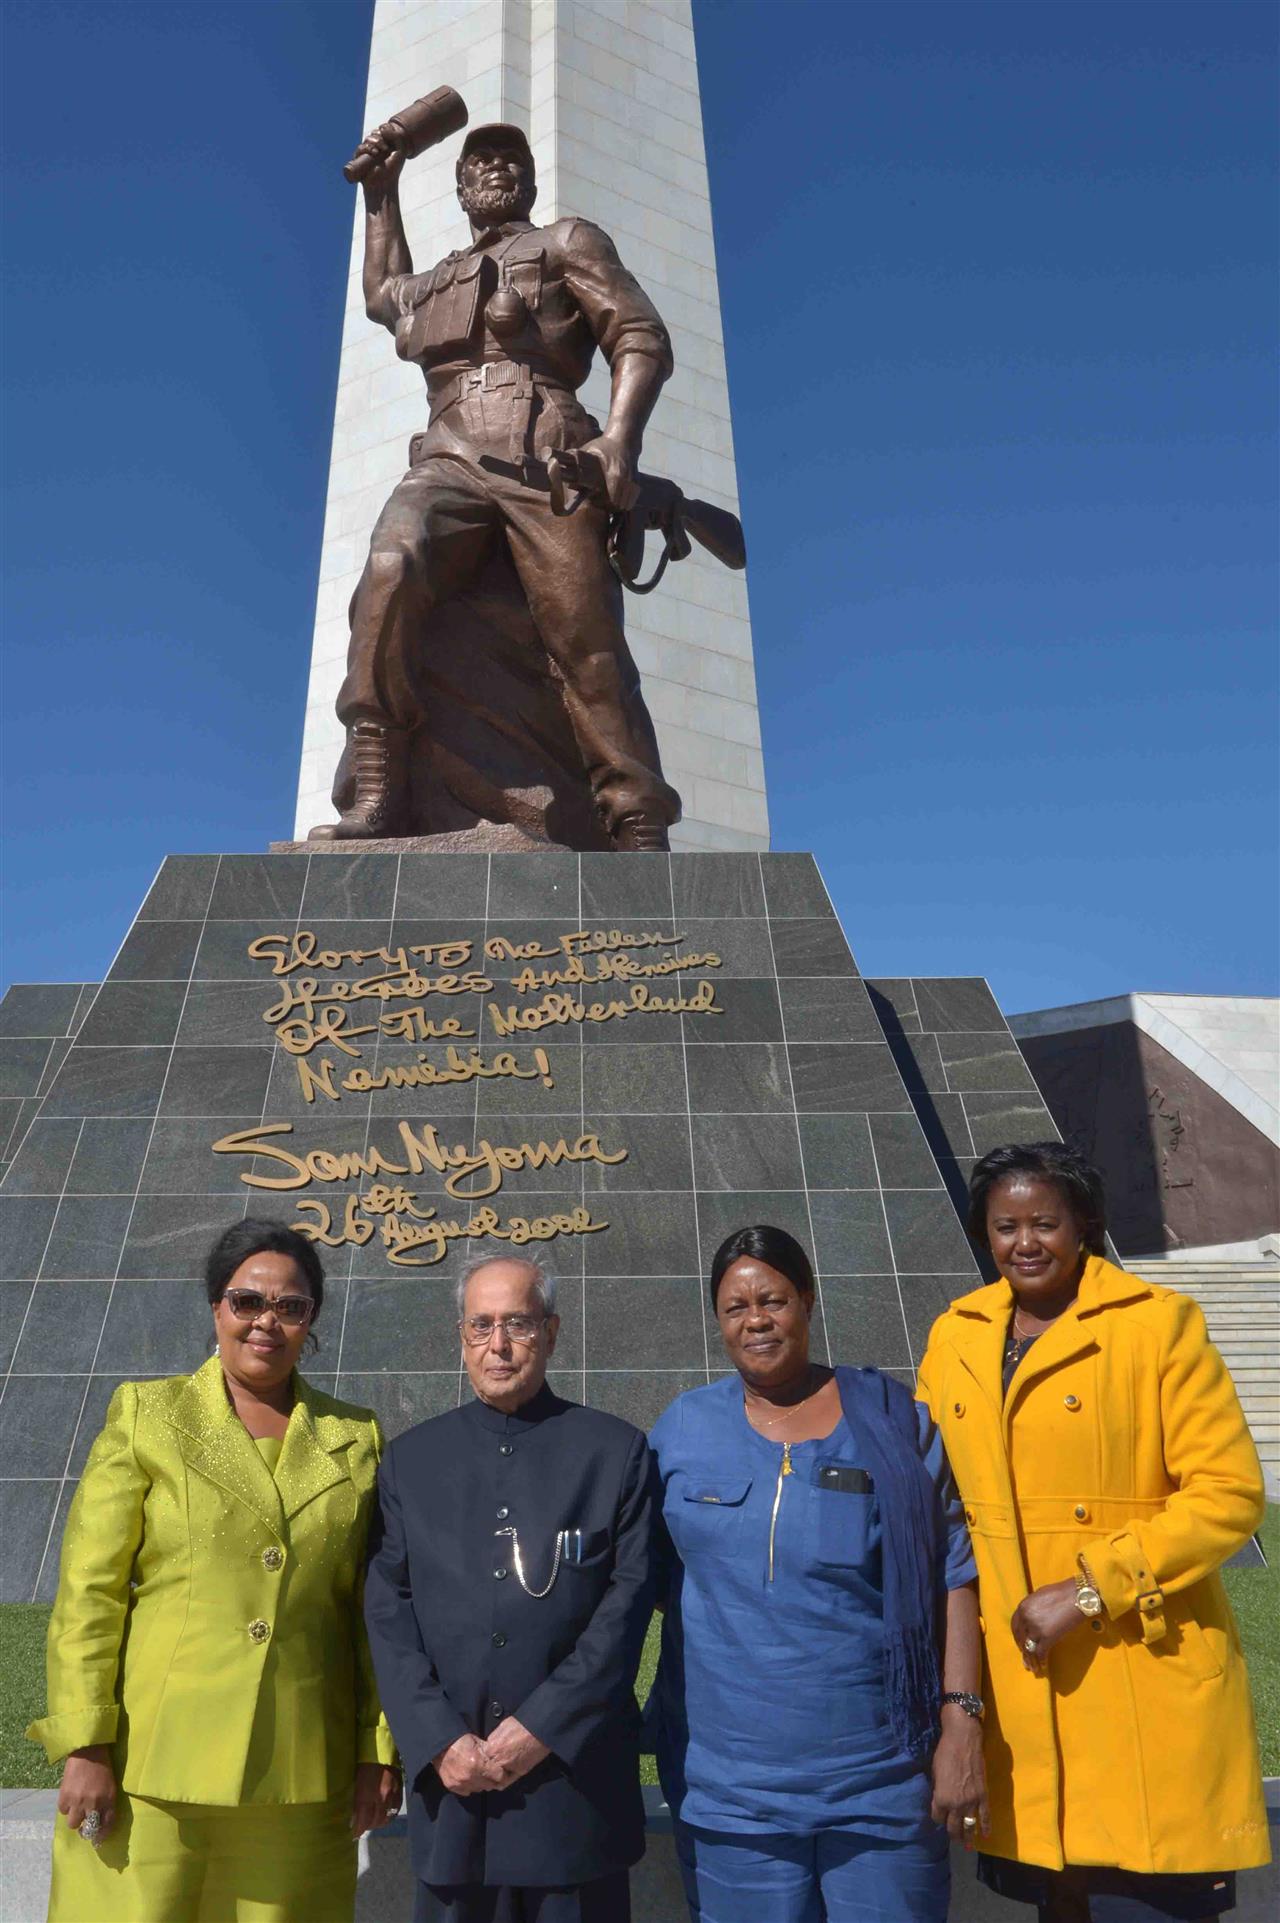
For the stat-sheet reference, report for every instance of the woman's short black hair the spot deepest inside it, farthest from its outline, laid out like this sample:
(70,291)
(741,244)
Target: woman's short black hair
(763,1244)
(254,1236)
(1078,1182)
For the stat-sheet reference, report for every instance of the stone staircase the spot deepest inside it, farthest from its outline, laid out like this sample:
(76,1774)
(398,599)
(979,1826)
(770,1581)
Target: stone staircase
(1241,1303)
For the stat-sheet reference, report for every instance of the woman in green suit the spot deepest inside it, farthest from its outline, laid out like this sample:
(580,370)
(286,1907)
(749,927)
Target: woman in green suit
(209,1682)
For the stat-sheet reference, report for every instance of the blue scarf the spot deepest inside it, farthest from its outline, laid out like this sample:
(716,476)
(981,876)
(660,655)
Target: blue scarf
(882,1416)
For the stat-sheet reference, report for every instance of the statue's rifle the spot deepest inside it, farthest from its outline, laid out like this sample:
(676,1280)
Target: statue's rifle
(660,506)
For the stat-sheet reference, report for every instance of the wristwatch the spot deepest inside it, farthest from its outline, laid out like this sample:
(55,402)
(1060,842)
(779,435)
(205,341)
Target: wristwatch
(971,1705)
(1088,1601)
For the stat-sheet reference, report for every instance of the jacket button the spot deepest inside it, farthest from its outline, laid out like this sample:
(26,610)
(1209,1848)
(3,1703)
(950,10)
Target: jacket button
(503,1513)
(504,1448)
(969,1515)
(496,1711)
(1071,1402)
(273,1558)
(1081,1513)
(498,1640)
(258,1630)
(499,1575)
(959,1408)
(1096,1627)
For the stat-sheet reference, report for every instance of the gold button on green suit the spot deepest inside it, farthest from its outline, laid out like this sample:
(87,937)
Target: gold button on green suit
(208,1627)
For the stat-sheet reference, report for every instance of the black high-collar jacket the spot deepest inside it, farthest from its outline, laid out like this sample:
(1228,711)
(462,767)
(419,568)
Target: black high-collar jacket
(459,1644)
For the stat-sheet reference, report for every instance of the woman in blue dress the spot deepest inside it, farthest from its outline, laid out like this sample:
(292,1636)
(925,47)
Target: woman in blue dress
(814,1745)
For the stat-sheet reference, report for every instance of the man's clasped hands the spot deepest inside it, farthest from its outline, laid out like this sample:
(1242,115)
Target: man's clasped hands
(473,1763)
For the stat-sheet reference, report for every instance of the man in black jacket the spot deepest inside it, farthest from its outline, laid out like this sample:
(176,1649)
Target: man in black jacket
(508,1592)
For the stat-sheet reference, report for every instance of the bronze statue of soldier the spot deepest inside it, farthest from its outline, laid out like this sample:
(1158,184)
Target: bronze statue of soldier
(505,332)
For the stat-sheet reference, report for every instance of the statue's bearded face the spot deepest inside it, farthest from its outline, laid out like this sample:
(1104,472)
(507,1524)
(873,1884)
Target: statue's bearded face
(496,184)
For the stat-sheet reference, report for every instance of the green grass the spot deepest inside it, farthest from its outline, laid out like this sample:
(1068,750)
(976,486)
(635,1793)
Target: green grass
(1255,1597)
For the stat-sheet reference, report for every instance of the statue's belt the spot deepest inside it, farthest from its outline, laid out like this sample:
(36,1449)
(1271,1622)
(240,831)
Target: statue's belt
(494,374)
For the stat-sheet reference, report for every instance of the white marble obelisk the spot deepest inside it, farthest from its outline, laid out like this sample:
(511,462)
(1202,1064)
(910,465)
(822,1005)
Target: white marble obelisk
(607,91)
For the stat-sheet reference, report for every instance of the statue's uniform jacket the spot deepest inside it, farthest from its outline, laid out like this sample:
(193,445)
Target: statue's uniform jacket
(208,1620)
(1121,1438)
(498,400)
(459,1645)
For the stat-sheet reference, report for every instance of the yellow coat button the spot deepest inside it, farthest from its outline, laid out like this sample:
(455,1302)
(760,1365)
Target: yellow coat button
(1081,1513)
(959,1408)
(969,1515)
(273,1558)
(1071,1402)
(258,1630)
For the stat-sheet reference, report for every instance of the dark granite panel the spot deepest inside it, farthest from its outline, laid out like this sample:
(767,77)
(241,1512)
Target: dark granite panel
(506,1095)
(37,1421)
(647,1235)
(720,1215)
(645,1323)
(657,1153)
(996,1119)
(182,890)
(740,1078)
(26,1510)
(170,1235)
(157,1327)
(946,1130)
(793,886)
(109,1157)
(927,1239)
(18,1117)
(217,1081)
(57,1056)
(156,951)
(894,1000)
(925,1298)
(88,995)
(41,1164)
(837,1151)
(957,1002)
(397,1323)
(904,1159)
(919,1062)
(985,1063)
(844,1076)
(93,1415)
(639,1399)
(398,1400)
(14,1298)
(454,1099)
(747,1152)
(286,1089)
(223,954)
(22,1065)
(38,1008)
(138,1014)
(448,885)
(636,1027)
(742,947)
(87,1236)
(810,948)
(864,1322)
(47,1586)
(828,1011)
(717,885)
(60,1335)
(180,1158)
(639,885)
(632,1080)
(266,886)
(751,1014)
(25,1221)
(222,1014)
(356,887)
(849,1233)
(535,884)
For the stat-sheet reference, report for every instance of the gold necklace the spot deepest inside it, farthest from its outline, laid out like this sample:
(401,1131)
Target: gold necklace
(773,1421)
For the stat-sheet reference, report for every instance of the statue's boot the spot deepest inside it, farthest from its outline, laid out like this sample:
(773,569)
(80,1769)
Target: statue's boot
(641,834)
(378,761)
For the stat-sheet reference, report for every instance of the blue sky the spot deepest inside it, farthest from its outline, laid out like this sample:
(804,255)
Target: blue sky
(999,298)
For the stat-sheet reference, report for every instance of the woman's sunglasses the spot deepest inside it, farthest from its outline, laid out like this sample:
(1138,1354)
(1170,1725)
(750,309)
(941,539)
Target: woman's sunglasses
(246,1305)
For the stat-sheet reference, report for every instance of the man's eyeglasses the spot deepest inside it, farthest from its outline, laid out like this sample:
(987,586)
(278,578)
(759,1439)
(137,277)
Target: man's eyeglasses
(478,1329)
(246,1305)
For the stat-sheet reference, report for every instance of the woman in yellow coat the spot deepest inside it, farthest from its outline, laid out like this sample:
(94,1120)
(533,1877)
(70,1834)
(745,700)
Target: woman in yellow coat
(1107,1471)
(209,1682)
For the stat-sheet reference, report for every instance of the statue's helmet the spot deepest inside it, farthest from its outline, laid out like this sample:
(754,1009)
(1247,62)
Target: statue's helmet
(502,130)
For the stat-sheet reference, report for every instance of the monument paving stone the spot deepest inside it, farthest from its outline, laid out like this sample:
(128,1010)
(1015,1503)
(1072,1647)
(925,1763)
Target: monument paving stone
(723,1123)
(156,951)
(15,1301)
(994,1119)
(894,999)
(962,1002)
(39,1009)
(919,1061)
(22,1065)
(26,1510)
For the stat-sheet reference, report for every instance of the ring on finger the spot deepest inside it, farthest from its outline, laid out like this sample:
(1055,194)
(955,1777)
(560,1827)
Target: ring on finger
(1031,1645)
(91,1827)
(970,1823)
